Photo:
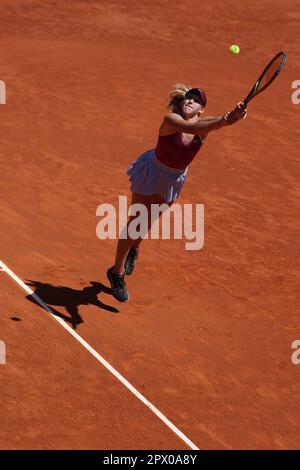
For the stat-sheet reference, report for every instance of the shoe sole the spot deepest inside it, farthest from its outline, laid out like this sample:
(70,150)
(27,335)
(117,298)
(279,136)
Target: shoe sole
(128,273)
(115,296)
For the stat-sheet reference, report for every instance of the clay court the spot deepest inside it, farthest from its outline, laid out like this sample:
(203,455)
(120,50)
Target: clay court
(206,336)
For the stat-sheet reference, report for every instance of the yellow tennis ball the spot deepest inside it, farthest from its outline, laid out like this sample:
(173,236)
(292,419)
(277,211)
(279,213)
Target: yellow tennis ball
(234,49)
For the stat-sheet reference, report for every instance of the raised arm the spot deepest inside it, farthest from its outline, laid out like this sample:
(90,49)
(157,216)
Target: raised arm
(204,125)
(200,127)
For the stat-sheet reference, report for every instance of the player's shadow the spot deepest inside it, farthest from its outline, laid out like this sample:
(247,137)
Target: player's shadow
(70,299)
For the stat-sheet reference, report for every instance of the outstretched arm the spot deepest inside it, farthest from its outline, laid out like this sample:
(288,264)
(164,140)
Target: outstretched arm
(204,125)
(200,127)
(239,112)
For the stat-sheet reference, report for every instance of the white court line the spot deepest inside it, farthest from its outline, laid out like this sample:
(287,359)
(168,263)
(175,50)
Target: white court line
(99,358)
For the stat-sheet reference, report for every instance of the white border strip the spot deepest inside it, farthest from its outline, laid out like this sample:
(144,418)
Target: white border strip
(99,358)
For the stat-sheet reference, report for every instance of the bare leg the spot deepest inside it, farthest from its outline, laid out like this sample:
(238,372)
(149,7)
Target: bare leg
(155,199)
(125,244)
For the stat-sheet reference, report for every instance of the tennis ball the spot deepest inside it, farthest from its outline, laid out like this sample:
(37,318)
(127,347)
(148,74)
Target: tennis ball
(234,49)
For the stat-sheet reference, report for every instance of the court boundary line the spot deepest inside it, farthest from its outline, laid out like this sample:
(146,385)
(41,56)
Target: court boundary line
(100,359)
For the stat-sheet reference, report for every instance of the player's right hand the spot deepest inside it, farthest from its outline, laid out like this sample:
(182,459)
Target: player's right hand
(239,112)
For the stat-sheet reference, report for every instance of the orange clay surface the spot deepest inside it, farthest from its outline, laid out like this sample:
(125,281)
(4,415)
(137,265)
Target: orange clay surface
(206,335)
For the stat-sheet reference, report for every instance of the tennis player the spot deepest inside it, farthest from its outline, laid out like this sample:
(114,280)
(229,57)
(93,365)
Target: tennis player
(158,175)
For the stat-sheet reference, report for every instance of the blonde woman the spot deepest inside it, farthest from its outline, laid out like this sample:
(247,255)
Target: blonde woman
(158,175)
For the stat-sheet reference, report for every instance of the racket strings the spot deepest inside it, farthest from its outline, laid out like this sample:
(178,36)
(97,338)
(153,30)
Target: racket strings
(269,73)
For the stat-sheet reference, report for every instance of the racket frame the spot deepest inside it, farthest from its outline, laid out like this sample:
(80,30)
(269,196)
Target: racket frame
(254,91)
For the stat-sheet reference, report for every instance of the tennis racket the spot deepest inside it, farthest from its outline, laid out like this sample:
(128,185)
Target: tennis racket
(267,76)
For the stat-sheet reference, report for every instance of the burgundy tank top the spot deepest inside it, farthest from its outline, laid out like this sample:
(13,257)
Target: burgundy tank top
(171,150)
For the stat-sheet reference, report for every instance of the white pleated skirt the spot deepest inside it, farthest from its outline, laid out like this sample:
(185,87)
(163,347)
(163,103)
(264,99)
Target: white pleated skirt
(149,176)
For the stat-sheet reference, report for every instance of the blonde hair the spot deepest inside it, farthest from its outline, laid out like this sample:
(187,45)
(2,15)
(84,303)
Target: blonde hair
(176,96)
